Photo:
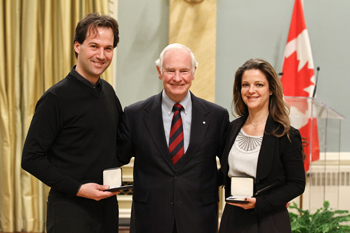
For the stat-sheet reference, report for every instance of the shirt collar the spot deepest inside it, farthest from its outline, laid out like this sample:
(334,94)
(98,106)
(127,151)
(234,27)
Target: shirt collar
(169,103)
(84,80)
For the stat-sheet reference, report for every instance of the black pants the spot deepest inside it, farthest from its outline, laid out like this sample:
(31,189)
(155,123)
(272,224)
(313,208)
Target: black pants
(71,214)
(238,220)
(174,231)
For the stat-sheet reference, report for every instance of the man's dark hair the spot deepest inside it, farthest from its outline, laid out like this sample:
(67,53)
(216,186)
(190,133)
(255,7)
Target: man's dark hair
(90,24)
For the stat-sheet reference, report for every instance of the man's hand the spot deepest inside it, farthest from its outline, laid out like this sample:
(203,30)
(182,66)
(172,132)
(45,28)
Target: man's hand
(95,191)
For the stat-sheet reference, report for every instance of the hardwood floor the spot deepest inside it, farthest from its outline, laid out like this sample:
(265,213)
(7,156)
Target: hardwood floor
(124,230)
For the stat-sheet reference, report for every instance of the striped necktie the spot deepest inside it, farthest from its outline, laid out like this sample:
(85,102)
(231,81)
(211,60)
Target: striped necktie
(176,140)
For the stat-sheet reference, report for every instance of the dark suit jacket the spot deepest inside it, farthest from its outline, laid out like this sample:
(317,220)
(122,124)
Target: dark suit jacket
(280,173)
(164,193)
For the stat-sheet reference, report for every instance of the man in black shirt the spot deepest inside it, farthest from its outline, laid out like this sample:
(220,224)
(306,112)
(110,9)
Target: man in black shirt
(72,136)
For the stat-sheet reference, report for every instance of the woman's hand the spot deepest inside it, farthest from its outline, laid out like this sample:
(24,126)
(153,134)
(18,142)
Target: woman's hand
(246,206)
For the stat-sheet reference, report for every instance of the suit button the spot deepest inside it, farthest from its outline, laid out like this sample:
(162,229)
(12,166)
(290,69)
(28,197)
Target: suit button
(175,178)
(172,203)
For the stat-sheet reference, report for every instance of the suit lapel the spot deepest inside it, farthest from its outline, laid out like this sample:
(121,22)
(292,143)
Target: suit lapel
(267,150)
(232,134)
(154,123)
(199,125)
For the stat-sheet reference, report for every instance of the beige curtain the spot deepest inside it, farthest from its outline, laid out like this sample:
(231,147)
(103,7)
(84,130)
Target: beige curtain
(36,39)
(193,23)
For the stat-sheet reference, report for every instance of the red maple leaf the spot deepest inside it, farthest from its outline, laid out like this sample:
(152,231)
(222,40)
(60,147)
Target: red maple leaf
(294,82)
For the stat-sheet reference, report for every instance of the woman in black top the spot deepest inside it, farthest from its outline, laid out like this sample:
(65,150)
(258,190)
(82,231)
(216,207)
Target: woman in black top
(261,144)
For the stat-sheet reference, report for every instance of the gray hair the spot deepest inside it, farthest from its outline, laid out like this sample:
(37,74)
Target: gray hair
(159,62)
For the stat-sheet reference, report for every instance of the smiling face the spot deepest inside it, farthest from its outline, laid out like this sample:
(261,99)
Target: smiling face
(176,73)
(255,90)
(95,53)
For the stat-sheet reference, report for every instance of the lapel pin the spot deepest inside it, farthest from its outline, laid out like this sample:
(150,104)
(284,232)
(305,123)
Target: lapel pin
(203,122)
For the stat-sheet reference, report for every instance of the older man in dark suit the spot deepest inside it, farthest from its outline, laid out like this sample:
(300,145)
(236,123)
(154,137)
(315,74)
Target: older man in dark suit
(175,138)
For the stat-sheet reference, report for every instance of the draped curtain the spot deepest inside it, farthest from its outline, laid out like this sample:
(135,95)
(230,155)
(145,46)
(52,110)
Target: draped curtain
(193,23)
(36,39)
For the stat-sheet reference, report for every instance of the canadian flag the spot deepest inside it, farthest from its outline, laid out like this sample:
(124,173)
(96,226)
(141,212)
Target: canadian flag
(298,80)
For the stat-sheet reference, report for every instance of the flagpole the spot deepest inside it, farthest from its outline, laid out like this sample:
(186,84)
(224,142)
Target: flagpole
(298,80)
